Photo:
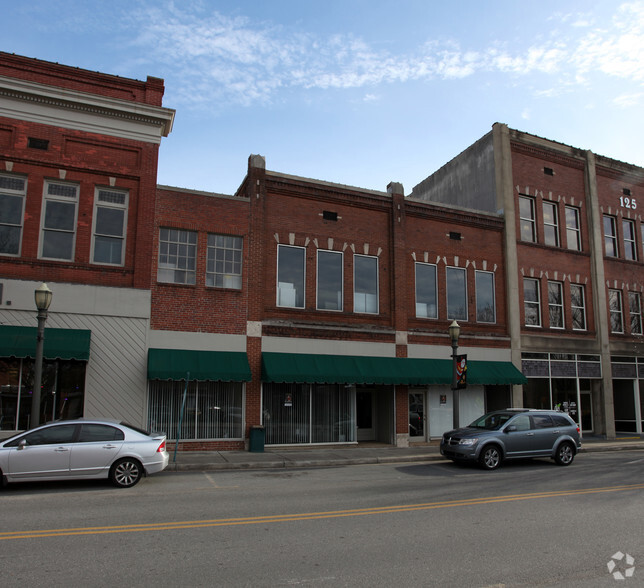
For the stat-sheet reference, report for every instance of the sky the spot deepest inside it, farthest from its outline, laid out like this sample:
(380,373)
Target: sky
(355,92)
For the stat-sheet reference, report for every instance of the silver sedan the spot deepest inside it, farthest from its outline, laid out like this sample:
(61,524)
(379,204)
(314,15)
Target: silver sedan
(83,449)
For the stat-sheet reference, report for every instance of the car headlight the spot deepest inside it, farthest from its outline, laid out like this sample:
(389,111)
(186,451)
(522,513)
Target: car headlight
(468,442)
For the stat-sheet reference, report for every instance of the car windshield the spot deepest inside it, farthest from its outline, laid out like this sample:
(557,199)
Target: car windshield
(493,421)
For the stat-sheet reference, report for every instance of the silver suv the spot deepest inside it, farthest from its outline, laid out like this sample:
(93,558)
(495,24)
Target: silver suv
(514,433)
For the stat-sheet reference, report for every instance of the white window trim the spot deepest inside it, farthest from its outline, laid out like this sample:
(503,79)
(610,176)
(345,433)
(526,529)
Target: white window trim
(537,303)
(493,296)
(532,220)
(46,198)
(277,273)
(317,281)
(416,264)
(23,194)
(554,224)
(576,230)
(583,308)
(377,284)
(612,237)
(629,243)
(467,314)
(631,313)
(98,205)
(561,306)
(621,309)
(214,248)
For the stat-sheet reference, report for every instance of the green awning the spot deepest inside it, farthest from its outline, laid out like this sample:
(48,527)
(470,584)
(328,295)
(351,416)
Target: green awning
(58,343)
(353,369)
(174,364)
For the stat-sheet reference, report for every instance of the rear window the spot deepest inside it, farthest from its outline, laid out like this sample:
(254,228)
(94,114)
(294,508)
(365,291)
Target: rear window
(137,429)
(561,421)
(94,432)
(542,421)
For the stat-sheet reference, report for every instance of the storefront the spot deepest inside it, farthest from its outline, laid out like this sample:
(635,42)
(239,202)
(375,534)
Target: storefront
(628,394)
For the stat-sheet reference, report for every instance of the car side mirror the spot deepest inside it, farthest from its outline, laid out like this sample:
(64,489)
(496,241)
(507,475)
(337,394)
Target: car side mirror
(510,429)
(22,444)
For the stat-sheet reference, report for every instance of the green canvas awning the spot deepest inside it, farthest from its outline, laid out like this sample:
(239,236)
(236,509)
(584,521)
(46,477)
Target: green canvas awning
(353,369)
(174,364)
(58,343)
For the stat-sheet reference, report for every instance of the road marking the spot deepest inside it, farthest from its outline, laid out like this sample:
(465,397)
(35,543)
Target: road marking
(262,520)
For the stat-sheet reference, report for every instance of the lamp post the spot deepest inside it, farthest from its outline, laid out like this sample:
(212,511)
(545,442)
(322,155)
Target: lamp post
(42,296)
(454,333)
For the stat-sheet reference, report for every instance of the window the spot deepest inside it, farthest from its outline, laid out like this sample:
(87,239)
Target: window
(92,433)
(426,295)
(526,219)
(456,293)
(485,303)
(110,222)
(531,302)
(573,231)
(290,276)
(550,224)
(630,249)
(578,307)
(610,236)
(365,284)
(330,278)
(12,203)
(615,304)
(224,263)
(635,310)
(59,221)
(177,256)
(555,305)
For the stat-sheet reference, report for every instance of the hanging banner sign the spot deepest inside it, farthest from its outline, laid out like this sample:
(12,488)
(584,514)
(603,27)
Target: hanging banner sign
(461,372)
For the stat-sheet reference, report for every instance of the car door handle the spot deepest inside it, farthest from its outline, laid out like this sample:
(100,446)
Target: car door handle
(109,446)
(61,449)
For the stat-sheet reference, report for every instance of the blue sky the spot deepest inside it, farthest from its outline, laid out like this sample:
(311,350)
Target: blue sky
(353,91)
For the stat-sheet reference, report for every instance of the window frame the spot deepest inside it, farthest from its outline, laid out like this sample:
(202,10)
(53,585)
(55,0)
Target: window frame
(574,308)
(463,272)
(427,267)
(536,303)
(477,274)
(637,314)
(112,206)
(175,268)
(45,231)
(531,221)
(550,228)
(13,193)
(339,293)
(356,293)
(611,237)
(278,288)
(618,311)
(630,246)
(553,306)
(574,231)
(228,279)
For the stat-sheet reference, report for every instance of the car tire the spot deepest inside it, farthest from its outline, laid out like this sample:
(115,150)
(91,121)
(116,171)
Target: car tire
(126,472)
(490,457)
(565,454)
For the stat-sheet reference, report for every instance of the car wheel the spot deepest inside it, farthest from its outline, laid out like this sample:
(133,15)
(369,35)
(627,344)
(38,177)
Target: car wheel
(490,457)
(126,472)
(565,454)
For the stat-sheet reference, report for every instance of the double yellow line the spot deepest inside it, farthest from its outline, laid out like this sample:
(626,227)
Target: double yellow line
(169,526)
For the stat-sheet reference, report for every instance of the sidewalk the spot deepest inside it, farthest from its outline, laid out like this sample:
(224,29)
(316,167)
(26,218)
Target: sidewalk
(328,456)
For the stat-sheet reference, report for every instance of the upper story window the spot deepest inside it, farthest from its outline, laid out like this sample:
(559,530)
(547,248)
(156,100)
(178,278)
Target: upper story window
(531,302)
(224,263)
(291,262)
(426,293)
(110,222)
(59,221)
(630,248)
(177,256)
(365,284)
(610,236)
(485,301)
(330,280)
(456,293)
(527,219)
(555,305)
(12,204)
(573,229)
(635,310)
(550,224)
(615,305)
(578,307)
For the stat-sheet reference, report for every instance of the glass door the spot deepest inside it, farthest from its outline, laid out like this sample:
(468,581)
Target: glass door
(417,415)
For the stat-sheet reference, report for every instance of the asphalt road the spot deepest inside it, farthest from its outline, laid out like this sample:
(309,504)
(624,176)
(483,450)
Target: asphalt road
(417,524)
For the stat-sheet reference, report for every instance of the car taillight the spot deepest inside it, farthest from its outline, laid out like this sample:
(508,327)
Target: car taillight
(161,448)
(578,430)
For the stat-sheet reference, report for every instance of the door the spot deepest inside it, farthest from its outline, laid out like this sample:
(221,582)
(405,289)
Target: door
(417,415)
(365,415)
(96,449)
(520,440)
(586,412)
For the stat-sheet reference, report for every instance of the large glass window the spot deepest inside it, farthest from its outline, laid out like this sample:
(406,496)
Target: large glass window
(635,311)
(290,276)
(426,296)
(531,302)
(578,307)
(630,248)
(212,410)
(555,305)
(616,317)
(610,236)
(224,265)
(573,230)
(485,303)
(177,256)
(527,219)
(550,224)
(110,222)
(59,221)
(456,293)
(365,284)
(12,203)
(330,279)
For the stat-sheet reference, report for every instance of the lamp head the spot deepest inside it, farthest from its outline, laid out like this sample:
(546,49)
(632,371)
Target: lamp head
(454,332)
(43,296)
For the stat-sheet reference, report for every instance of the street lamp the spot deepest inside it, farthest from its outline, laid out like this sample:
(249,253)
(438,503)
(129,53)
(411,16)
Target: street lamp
(454,333)
(42,296)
